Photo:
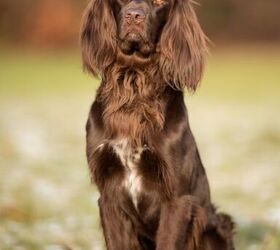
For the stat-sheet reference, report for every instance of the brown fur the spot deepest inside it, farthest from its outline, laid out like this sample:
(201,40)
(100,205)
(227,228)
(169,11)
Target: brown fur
(134,107)
(141,99)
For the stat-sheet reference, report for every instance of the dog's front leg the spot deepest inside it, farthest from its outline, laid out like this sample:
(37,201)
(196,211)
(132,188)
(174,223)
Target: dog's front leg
(108,173)
(181,225)
(117,227)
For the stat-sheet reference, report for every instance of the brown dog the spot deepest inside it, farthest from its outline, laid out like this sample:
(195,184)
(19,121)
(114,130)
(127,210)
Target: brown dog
(154,192)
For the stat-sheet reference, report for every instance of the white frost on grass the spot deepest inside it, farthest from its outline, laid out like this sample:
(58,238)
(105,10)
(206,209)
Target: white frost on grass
(27,135)
(273,215)
(50,192)
(55,247)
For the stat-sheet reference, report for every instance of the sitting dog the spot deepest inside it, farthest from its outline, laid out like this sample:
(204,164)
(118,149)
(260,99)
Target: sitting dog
(154,192)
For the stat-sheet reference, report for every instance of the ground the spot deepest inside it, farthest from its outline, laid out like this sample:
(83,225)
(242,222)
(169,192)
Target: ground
(46,199)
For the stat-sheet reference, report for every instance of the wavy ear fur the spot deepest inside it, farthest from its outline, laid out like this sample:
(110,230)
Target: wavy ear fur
(183,47)
(98,34)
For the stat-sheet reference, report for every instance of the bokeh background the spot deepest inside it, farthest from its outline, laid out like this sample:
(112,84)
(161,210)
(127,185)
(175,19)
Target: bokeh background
(46,200)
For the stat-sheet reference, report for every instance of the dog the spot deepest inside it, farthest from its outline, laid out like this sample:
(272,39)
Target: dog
(143,158)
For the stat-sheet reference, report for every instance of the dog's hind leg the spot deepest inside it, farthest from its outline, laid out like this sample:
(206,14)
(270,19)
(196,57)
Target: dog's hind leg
(219,234)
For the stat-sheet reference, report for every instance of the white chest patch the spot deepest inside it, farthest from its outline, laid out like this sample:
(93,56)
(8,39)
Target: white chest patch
(130,158)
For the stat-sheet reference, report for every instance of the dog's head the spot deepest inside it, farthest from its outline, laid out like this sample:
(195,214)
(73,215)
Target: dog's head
(166,31)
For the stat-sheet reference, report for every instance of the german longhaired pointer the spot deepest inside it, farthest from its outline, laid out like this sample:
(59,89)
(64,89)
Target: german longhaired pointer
(143,158)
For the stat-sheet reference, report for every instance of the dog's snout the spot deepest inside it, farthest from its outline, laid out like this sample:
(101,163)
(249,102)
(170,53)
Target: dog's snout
(135,15)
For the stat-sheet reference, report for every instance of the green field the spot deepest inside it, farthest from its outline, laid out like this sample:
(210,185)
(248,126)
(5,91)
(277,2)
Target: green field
(46,200)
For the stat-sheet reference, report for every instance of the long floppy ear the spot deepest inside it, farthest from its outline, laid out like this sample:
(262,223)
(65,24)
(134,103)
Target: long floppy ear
(98,33)
(183,47)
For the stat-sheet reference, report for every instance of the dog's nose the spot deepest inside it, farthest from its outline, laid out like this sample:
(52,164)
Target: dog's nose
(135,14)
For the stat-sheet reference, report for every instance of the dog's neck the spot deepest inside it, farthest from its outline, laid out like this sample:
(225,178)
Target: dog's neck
(133,103)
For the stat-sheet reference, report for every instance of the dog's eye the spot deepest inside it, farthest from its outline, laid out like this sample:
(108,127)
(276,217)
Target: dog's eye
(159,2)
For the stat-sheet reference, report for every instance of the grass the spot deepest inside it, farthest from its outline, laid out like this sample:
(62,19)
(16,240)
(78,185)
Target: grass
(243,73)
(46,200)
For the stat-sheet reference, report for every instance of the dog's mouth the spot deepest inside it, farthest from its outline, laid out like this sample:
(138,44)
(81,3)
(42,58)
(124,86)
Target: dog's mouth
(135,43)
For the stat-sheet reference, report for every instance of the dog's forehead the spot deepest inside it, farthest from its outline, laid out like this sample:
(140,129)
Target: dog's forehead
(160,2)
(155,2)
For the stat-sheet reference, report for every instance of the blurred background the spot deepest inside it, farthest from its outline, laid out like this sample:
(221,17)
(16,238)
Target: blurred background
(46,200)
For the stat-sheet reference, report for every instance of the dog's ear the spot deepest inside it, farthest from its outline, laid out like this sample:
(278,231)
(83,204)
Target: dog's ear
(98,33)
(183,47)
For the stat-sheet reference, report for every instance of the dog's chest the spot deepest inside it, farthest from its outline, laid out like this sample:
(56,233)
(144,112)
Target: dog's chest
(130,158)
